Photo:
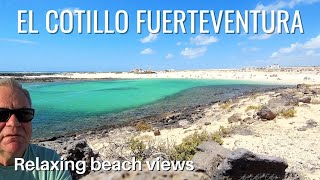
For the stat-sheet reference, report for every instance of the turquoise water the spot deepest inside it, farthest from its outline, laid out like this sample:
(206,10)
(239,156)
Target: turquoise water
(74,105)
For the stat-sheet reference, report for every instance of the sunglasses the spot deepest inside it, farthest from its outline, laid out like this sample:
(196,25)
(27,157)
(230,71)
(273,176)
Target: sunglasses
(23,115)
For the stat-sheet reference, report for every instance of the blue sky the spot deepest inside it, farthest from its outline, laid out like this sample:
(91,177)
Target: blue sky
(124,52)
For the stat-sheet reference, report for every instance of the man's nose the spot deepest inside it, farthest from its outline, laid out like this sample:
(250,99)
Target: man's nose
(13,121)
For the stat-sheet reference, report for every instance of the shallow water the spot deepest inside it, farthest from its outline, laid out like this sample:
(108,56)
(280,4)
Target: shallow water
(74,105)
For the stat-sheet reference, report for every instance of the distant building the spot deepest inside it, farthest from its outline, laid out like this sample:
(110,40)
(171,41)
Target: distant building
(141,71)
(137,71)
(249,68)
(273,66)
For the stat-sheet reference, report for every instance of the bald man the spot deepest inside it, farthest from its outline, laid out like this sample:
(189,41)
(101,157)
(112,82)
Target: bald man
(16,115)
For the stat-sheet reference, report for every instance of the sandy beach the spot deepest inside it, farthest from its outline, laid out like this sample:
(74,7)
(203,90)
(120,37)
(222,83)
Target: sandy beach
(292,75)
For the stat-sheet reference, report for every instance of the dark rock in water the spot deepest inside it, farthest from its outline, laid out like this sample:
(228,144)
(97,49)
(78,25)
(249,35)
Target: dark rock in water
(266,114)
(243,164)
(235,118)
(209,157)
(306,99)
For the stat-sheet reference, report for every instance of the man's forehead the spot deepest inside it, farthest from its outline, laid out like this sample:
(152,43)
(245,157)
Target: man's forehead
(9,89)
(10,96)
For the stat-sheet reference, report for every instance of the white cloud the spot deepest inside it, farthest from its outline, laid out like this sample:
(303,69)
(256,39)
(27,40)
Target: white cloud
(283,4)
(273,6)
(17,41)
(313,43)
(260,37)
(151,37)
(203,40)
(193,52)
(169,56)
(299,48)
(286,50)
(147,51)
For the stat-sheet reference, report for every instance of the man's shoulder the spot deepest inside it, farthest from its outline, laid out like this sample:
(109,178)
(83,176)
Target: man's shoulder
(42,152)
(40,149)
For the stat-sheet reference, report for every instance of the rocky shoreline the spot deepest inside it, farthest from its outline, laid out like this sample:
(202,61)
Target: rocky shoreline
(84,145)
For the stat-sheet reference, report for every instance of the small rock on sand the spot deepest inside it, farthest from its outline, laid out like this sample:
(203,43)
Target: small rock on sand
(156,132)
(266,114)
(306,99)
(184,123)
(235,118)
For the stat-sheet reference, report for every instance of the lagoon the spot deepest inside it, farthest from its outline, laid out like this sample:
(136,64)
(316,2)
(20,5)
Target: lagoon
(70,106)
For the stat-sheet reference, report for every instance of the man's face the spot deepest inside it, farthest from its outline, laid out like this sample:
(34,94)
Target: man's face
(14,136)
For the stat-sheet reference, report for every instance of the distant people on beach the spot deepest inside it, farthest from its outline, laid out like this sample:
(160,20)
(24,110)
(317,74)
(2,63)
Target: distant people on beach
(19,158)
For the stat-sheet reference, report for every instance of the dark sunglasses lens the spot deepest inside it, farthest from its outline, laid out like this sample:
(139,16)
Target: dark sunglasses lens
(4,115)
(25,115)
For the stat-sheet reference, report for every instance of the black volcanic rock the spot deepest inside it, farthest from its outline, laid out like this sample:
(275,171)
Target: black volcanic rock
(209,156)
(243,164)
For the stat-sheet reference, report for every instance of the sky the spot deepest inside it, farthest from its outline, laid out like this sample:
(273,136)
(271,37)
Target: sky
(124,52)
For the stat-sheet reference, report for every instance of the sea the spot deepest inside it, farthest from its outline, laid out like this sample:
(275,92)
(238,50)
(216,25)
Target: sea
(72,106)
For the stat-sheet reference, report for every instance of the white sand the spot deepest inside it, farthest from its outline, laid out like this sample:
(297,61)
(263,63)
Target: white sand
(283,76)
